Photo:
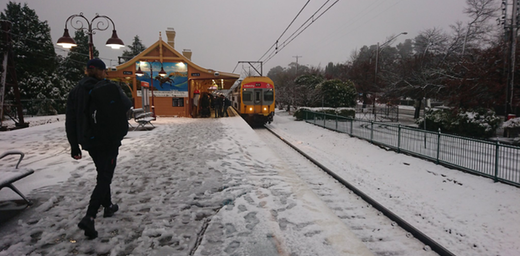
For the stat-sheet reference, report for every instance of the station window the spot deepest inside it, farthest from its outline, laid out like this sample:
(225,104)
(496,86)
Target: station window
(178,102)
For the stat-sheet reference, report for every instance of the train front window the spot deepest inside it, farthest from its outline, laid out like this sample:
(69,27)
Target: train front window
(247,96)
(268,95)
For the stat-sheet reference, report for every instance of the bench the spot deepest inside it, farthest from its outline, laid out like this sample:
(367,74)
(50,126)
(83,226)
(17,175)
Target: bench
(9,176)
(142,118)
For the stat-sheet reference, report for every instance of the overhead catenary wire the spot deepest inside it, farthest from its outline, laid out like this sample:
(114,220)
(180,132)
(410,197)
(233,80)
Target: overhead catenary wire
(300,30)
(364,13)
(275,44)
(287,28)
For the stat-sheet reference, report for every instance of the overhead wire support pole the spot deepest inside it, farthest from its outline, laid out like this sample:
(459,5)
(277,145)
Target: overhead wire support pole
(511,26)
(514,30)
(293,85)
(249,62)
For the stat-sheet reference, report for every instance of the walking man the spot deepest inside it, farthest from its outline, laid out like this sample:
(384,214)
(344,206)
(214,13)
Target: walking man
(102,149)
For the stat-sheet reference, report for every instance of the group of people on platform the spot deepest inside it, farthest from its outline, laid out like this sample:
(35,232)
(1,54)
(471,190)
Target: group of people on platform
(204,102)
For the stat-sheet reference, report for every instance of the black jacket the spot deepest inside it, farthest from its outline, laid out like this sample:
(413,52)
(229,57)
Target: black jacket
(76,117)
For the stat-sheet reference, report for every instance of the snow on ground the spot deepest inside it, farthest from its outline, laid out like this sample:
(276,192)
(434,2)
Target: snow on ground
(186,177)
(467,214)
(214,176)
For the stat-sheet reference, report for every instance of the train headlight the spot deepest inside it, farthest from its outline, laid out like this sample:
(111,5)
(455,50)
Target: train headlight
(265,109)
(251,109)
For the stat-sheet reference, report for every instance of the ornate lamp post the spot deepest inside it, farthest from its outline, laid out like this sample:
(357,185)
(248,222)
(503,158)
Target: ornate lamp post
(139,72)
(101,25)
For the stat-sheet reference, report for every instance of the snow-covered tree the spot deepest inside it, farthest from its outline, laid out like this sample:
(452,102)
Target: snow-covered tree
(73,66)
(31,38)
(337,93)
(308,95)
(39,81)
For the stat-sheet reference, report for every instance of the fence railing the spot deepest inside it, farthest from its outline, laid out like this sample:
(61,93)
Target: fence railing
(495,160)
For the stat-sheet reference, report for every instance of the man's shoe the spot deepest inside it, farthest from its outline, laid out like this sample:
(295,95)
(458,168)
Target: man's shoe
(87,224)
(109,211)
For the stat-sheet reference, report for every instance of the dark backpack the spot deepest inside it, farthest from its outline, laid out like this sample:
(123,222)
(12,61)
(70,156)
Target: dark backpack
(106,113)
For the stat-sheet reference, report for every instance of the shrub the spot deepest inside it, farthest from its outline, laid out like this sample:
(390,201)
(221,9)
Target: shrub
(346,112)
(300,114)
(512,123)
(480,123)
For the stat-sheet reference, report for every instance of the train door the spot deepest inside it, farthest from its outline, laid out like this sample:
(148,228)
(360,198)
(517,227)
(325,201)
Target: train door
(259,99)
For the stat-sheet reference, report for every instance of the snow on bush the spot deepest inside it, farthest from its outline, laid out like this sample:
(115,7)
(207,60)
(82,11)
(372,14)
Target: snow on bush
(346,112)
(480,123)
(512,123)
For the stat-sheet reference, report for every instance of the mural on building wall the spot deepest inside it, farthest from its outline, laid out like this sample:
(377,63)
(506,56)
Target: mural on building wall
(174,84)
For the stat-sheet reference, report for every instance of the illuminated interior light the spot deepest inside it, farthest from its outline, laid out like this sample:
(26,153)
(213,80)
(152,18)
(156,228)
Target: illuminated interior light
(115,46)
(67,46)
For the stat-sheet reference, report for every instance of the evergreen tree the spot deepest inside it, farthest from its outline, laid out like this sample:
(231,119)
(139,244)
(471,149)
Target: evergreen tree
(32,43)
(336,93)
(308,95)
(74,64)
(36,62)
(135,49)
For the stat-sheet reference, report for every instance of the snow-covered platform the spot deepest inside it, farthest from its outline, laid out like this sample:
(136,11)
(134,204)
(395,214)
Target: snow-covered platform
(188,187)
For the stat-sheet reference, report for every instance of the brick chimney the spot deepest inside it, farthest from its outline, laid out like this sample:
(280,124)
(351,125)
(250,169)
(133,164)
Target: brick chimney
(187,53)
(170,34)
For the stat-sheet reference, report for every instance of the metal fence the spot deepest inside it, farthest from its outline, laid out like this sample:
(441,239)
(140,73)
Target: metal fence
(495,160)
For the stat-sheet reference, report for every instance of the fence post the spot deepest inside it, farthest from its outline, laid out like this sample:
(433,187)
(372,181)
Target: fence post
(336,122)
(399,138)
(438,145)
(497,155)
(306,115)
(371,131)
(351,126)
(397,113)
(324,120)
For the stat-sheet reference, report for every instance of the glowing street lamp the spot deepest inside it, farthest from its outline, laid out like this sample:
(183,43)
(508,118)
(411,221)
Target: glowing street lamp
(68,42)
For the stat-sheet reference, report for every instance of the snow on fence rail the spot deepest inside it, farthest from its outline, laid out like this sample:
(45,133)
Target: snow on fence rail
(501,162)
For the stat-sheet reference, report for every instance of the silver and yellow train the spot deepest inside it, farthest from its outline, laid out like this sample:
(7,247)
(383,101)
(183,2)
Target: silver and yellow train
(254,99)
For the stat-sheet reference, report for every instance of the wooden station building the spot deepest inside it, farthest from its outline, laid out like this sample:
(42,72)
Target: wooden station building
(172,94)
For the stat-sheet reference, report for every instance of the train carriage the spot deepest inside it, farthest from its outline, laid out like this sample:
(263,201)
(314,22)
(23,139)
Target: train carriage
(254,99)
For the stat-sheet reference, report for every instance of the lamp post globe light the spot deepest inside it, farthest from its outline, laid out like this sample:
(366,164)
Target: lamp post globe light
(102,24)
(139,72)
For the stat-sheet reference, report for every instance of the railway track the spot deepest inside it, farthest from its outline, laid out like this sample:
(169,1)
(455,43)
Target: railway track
(383,232)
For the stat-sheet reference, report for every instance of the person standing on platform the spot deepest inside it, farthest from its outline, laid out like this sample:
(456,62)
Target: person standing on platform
(205,110)
(218,106)
(226,104)
(99,129)
(196,98)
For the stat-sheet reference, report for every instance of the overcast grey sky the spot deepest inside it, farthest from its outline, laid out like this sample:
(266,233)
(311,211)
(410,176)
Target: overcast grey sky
(221,33)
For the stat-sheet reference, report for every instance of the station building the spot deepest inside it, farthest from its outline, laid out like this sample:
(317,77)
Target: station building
(172,94)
